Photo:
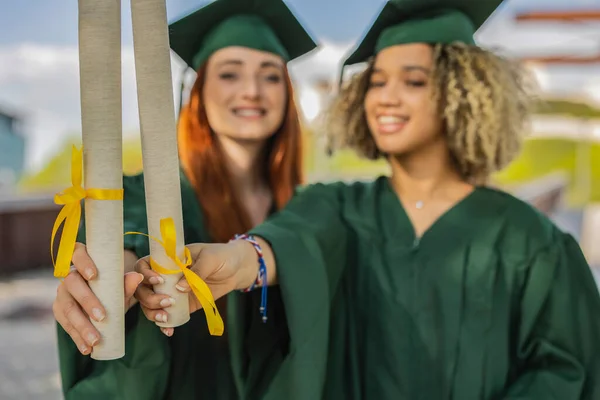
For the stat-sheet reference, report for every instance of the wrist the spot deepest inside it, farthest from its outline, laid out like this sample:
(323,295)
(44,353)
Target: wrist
(250,244)
(247,268)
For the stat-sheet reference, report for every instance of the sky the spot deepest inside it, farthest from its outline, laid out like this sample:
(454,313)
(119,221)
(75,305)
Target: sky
(39,56)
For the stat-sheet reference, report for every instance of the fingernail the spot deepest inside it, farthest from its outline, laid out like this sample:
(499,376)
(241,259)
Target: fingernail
(83,348)
(167,302)
(92,339)
(98,315)
(180,288)
(161,317)
(141,278)
(167,332)
(89,273)
(157,280)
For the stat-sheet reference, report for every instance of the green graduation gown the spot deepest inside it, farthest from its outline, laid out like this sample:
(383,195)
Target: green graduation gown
(492,302)
(189,365)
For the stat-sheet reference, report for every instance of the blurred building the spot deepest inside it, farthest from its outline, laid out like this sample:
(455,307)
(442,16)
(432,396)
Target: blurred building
(26,220)
(25,227)
(12,151)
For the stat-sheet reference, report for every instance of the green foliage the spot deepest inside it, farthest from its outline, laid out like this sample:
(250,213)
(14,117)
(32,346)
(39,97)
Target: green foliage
(538,158)
(567,108)
(56,174)
(543,156)
(343,164)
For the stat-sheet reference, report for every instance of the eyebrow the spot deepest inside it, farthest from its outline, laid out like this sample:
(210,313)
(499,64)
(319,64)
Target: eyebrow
(407,68)
(264,64)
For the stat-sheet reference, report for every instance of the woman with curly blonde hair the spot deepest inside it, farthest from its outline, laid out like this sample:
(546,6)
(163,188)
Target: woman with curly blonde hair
(482,98)
(426,284)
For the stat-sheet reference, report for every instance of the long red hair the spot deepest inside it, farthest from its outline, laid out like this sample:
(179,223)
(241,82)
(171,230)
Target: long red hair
(201,160)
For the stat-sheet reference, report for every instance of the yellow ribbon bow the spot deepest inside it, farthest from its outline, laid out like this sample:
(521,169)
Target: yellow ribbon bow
(70,214)
(199,287)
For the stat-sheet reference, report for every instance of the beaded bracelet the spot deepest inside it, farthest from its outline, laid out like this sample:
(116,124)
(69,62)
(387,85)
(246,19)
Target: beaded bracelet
(261,278)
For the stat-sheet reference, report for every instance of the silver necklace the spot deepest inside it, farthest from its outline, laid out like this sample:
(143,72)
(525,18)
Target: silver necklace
(419,204)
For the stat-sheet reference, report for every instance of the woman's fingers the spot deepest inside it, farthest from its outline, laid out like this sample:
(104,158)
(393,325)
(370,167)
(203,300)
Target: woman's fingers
(183,286)
(150,277)
(131,281)
(153,304)
(167,331)
(151,300)
(83,347)
(83,263)
(74,321)
(81,292)
(81,323)
(155,315)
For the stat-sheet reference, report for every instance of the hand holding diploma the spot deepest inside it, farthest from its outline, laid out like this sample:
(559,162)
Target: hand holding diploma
(76,305)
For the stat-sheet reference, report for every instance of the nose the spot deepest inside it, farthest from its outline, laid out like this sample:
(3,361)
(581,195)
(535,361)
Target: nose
(390,95)
(251,88)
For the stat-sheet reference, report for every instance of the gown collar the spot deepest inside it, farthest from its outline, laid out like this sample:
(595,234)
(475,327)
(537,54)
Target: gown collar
(458,223)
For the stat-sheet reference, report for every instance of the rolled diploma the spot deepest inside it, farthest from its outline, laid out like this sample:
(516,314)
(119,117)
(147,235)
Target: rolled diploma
(159,142)
(100,86)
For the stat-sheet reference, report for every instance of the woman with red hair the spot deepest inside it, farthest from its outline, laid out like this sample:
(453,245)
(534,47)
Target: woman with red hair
(240,152)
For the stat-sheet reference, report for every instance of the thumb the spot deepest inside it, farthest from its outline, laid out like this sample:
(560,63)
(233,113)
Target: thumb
(132,281)
(183,286)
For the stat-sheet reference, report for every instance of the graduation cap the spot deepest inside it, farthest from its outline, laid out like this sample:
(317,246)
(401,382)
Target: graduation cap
(267,25)
(423,21)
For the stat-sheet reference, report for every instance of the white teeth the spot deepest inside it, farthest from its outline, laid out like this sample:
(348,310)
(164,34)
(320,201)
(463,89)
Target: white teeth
(390,119)
(248,113)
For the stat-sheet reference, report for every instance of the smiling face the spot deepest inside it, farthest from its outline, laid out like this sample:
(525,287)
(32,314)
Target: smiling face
(473,108)
(400,110)
(245,93)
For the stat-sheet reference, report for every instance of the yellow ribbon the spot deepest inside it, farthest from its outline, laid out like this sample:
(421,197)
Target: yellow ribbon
(70,214)
(199,287)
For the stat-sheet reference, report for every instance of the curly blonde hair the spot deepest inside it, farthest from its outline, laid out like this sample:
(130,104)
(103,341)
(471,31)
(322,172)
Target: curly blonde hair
(484,100)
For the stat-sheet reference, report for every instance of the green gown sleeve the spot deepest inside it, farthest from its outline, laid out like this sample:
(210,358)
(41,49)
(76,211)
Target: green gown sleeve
(558,343)
(143,372)
(309,240)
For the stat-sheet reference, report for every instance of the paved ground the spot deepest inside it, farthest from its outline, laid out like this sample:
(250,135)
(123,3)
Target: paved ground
(28,366)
